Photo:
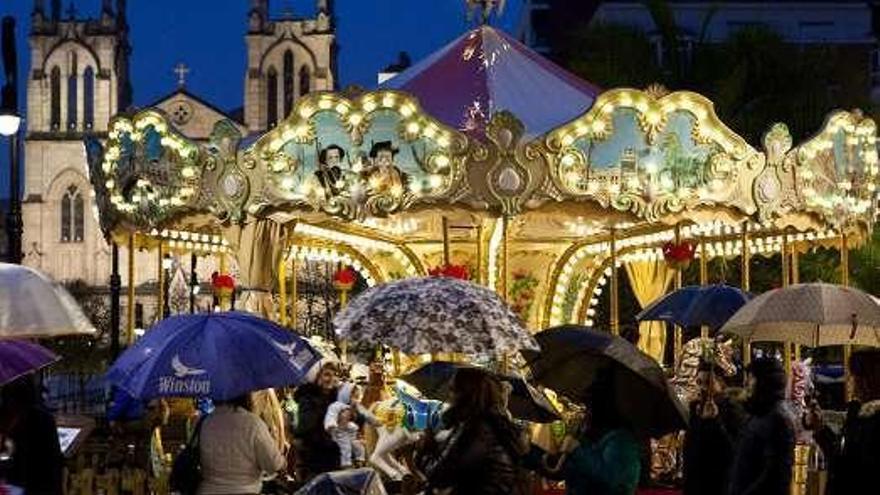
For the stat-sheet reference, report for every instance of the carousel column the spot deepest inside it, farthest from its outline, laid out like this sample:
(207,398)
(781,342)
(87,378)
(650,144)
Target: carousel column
(193,281)
(115,296)
(844,280)
(786,272)
(445,226)
(282,292)
(129,326)
(224,298)
(677,346)
(704,279)
(480,278)
(160,277)
(746,283)
(294,292)
(795,279)
(615,302)
(505,275)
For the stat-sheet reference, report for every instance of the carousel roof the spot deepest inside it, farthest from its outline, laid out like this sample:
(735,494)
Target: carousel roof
(485,71)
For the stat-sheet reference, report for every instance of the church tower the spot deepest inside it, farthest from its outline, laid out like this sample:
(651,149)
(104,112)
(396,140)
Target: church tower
(77,81)
(287,57)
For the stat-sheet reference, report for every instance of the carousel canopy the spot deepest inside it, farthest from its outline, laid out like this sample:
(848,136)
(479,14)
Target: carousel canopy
(485,71)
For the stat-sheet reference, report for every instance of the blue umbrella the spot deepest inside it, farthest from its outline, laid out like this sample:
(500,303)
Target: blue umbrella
(694,306)
(216,355)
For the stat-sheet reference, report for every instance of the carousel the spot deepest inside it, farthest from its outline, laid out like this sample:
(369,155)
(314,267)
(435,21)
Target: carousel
(543,188)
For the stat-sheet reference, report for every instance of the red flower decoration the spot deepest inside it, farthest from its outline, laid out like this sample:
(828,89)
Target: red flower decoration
(344,278)
(679,255)
(460,272)
(222,281)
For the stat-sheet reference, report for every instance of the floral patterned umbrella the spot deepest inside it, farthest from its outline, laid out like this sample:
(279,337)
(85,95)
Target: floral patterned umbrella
(434,314)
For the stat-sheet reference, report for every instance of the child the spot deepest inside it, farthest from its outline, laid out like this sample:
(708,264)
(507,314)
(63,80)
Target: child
(339,423)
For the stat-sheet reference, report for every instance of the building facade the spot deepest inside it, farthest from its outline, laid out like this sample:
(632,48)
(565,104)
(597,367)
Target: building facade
(79,79)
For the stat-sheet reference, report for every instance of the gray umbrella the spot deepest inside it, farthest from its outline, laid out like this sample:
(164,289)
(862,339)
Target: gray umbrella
(434,314)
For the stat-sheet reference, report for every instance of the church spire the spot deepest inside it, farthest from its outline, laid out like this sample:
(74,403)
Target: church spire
(107,7)
(258,16)
(56,10)
(39,6)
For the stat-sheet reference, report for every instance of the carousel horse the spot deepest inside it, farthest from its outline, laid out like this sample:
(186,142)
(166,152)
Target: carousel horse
(800,386)
(666,451)
(402,418)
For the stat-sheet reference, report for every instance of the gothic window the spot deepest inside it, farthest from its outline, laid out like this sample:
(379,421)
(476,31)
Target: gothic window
(89,98)
(288,82)
(72,93)
(272,97)
(72,216)
(305,80)
(55,90)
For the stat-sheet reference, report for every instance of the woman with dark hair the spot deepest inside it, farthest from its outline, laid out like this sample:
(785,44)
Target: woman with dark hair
(236,450)
(604,457)
(316,452)
(765,450)
(36,461)
(482,452)
(854,459)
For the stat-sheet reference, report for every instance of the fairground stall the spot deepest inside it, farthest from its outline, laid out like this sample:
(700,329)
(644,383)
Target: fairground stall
(488,158)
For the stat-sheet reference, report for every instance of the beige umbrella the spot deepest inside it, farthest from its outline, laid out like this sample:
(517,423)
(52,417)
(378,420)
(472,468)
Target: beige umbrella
(812,315)
(33,306)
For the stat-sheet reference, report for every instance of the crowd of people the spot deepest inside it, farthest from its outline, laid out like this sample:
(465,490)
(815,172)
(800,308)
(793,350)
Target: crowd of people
(731,447)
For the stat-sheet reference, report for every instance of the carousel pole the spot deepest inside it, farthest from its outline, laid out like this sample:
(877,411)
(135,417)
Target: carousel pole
(844,280)
(115,293)
(160,290)
(615,302)
(224,298)
(746,283)
(282,292)
(480,277)
(129,327)
(193,281)
(677,344)
(505,265)
(786,273)
(294,292)
(795,279)
(704,279)
(445,241)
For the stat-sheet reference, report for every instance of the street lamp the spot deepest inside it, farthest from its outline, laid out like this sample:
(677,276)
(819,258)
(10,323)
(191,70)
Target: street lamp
(10,122)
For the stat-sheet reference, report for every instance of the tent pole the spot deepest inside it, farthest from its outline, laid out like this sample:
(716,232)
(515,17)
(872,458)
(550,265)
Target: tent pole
(746,285)
(129,327)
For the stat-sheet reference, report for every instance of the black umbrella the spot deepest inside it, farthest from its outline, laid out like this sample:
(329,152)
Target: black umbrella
(571,357)
(526,402)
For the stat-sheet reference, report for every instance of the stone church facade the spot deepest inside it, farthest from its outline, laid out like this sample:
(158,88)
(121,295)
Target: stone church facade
(79,79)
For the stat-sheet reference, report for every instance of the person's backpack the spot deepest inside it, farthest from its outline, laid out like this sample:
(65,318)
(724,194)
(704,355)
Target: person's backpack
(186,472)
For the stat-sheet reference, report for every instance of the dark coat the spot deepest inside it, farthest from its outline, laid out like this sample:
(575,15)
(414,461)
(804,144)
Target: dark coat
(709,448)
(481,457)
(316,452)
(37,462)
(854,460)
(764,453)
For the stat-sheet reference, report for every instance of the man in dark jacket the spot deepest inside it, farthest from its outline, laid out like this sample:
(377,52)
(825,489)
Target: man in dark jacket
(715,421)
(36,463)
(765,451)
(316,452)
(854,457)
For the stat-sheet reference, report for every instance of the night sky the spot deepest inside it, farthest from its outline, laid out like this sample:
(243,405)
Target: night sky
(208,36)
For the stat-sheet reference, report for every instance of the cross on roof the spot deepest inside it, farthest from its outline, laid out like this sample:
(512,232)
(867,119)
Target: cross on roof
(181,70)
(71,10)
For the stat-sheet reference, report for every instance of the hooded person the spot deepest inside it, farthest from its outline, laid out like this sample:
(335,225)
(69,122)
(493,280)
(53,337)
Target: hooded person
(762,462)
(316,452)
